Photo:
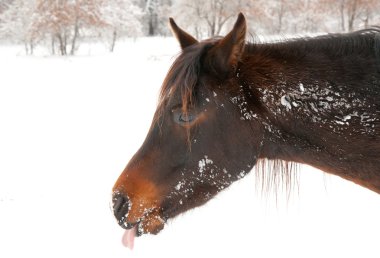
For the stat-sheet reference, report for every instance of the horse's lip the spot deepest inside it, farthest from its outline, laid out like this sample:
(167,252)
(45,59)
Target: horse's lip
(139,228)
(126,225)
(139,231)
(139,224)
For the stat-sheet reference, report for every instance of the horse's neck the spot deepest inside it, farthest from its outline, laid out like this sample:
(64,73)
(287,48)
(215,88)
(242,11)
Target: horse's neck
(321,124)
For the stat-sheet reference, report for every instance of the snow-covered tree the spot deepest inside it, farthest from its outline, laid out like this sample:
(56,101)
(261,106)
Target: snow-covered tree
(4,5)
(122,18)
(155,15)
(16,19)
(277,16)
(63,20)
(356,13)
(63,24)
(206,17)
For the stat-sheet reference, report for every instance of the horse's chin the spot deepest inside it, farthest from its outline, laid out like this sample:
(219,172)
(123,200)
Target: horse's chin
(152,224)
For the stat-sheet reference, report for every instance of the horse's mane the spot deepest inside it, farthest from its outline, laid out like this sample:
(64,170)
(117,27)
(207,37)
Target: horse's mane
(363,42)
(183,77)
(184,73)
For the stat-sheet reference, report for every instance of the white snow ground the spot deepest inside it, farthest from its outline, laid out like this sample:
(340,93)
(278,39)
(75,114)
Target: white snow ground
(68,126)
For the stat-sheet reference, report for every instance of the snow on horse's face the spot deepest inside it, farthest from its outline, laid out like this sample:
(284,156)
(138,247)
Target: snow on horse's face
(197,143)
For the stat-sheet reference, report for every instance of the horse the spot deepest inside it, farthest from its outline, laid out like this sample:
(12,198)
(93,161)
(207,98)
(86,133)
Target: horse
(227,104)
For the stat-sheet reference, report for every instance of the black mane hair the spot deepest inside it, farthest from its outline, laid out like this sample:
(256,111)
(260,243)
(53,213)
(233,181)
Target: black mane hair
(363,42)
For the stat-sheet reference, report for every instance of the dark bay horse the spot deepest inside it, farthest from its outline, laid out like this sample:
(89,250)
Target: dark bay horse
(227,104)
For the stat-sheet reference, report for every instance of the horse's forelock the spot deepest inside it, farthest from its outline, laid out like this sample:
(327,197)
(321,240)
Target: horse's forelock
(182,78)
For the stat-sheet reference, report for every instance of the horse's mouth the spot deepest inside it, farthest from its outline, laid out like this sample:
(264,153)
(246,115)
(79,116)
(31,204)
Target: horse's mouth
(151,223)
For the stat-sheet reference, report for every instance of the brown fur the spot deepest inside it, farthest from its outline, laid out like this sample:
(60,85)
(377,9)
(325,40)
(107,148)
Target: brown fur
(227,106)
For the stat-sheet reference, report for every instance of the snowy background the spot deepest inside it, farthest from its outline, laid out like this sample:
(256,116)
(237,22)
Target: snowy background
(68,127)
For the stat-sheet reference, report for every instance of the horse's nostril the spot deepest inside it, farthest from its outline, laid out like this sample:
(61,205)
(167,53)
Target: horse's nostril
(118,201)
(120,207)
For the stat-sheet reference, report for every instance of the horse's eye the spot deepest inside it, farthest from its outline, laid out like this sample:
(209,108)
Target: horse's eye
(183,118)
(186,118)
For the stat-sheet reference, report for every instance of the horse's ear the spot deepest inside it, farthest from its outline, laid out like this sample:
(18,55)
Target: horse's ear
(224,57)
(183,37)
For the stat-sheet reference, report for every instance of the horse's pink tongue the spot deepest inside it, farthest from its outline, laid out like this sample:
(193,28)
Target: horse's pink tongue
(129,238)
